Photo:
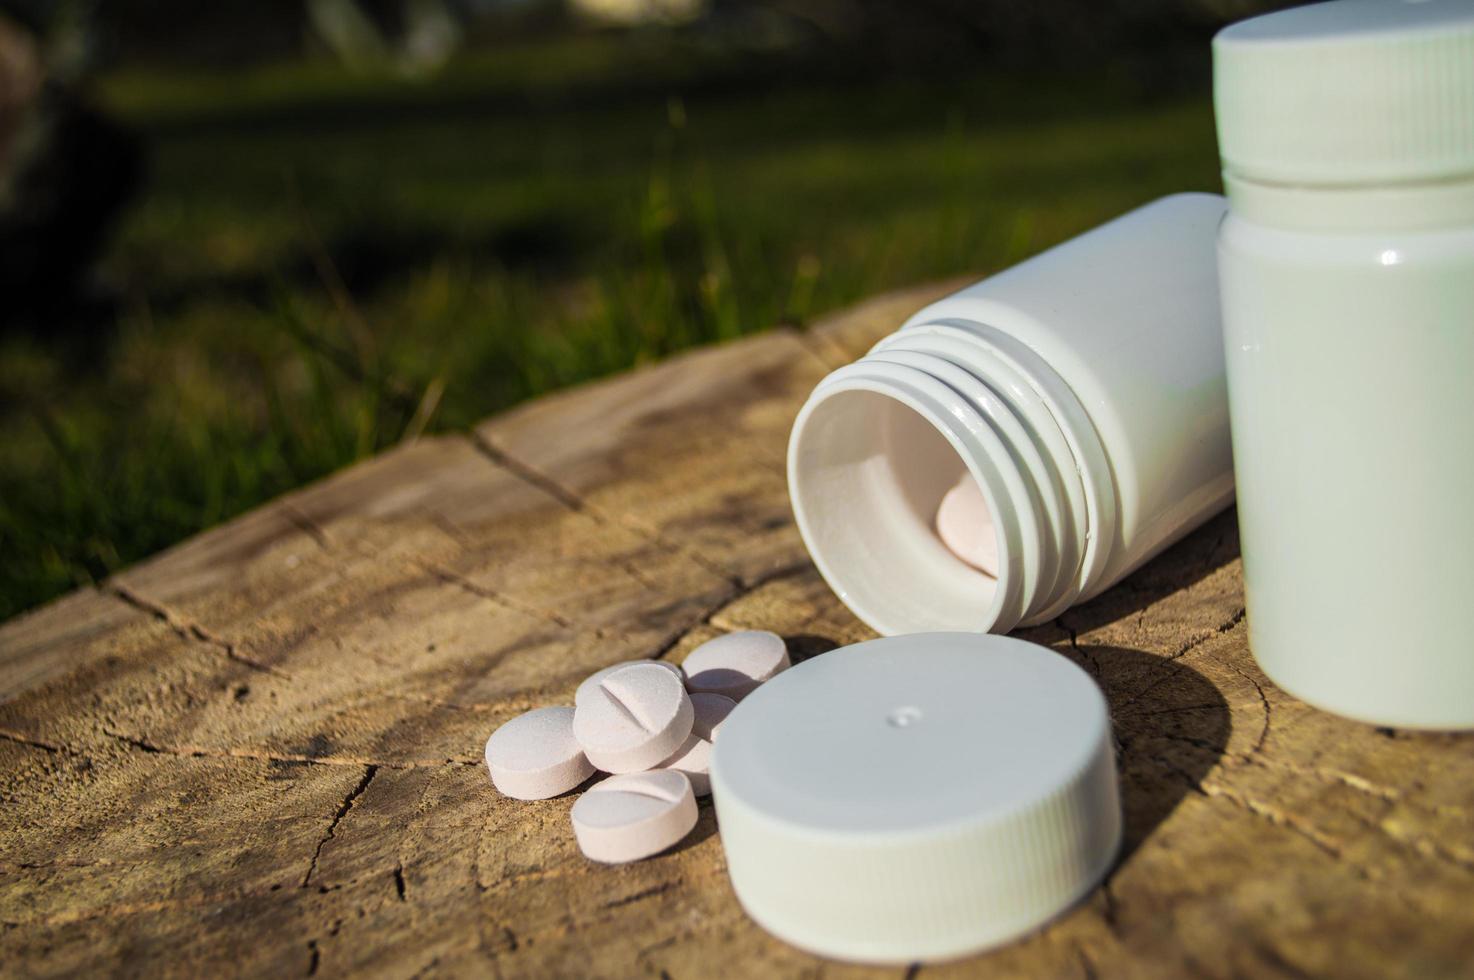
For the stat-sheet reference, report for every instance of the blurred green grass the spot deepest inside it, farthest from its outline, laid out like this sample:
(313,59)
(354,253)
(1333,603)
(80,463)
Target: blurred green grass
(323,264)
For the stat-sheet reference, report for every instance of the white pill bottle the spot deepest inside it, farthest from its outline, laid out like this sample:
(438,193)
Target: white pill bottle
(1347,275)
(1083,390)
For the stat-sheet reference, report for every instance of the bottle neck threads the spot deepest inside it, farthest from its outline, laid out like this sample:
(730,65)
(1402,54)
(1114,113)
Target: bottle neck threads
(880,442)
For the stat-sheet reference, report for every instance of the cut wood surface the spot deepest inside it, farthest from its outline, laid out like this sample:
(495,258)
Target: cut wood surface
(261,751)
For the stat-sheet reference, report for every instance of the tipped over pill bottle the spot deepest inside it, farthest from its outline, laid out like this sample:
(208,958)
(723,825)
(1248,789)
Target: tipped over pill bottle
(1083,392)
(1347,273)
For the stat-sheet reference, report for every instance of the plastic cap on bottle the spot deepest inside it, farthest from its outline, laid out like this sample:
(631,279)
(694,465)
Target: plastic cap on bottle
(1350,92)
(917,797)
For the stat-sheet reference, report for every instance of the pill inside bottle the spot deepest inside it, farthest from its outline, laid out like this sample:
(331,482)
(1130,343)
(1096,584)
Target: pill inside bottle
(965,526)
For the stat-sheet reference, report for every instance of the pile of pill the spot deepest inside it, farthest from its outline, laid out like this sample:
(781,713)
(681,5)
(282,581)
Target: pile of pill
(648,723)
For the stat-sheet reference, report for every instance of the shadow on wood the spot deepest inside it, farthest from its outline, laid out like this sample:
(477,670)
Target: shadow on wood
(1171,726)
(1185,563)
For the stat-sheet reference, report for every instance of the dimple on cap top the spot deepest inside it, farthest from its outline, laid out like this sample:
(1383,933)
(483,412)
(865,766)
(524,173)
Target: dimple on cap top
(1349,92)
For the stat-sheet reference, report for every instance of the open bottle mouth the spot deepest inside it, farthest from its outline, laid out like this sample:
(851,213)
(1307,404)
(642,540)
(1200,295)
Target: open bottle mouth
(881,442)
(868,470)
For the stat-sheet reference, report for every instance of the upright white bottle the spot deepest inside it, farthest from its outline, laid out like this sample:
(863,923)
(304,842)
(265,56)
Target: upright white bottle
(1082,389)
(1347,274)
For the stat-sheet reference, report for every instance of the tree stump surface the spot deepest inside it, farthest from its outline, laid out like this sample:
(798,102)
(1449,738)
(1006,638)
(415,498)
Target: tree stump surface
(261,751)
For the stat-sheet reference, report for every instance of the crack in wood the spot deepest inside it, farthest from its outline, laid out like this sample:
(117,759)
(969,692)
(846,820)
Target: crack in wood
(821,350)
(501,598)
(1325,774)
(630,568)
(120,910)
(642,894)
(426,970)
(196,632)
(579,504)
(289,758)
(140,744)
(305,524)
(1326,842)
(1085,653)
(343,808)
(188,629)
(16,867)
(573,923)
(531,874)
(1175,710)
(644,951)
(1323,841)
(458,537)
(1183,650)
(1433,851)
(1263,701)
(434,702)
(1226,626)
(1110,911)
(735,593)
(1087,965)
(528,474)
(1275,958)
(37,743)
(754,584)
(1347,779)
(1421,844)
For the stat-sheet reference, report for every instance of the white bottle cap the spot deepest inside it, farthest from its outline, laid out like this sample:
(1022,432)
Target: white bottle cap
(1357,91)
(917,797)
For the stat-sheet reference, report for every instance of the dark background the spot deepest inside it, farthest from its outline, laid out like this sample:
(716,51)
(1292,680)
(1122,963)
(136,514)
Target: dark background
(245,243)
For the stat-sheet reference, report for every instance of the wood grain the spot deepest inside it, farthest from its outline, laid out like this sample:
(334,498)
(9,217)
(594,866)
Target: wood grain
(260,752)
